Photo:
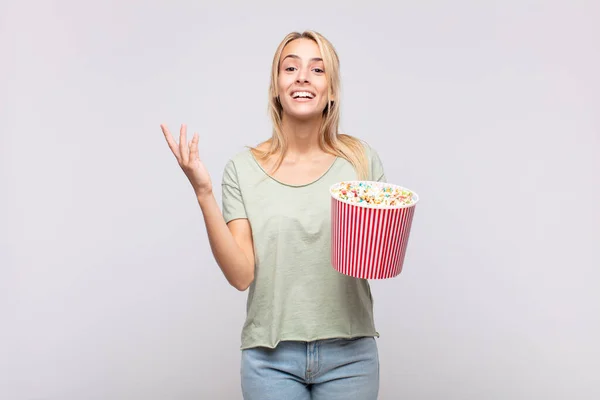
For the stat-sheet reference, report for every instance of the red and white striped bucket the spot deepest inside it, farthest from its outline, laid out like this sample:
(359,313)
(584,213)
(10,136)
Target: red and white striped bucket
(368,241)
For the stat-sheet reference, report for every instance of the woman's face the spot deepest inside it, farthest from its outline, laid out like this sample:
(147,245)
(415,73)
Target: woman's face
(302,82)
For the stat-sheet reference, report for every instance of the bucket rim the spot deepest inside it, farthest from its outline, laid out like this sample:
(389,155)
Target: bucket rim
(372,206)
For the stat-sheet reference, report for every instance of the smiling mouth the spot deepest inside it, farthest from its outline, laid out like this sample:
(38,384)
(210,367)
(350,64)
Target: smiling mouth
(299,95)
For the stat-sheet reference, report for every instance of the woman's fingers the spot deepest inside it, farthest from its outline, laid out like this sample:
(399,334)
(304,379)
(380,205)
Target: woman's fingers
(183,147)
(170,141)
(194,148)
(184,151)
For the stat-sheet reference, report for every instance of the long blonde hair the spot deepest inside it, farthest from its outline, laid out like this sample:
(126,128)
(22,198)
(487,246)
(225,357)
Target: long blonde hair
(330,140)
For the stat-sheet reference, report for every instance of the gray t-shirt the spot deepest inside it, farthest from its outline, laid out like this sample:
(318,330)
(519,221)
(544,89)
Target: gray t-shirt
(296,293)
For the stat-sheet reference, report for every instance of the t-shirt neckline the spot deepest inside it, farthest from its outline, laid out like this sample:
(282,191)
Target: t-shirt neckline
(289,184)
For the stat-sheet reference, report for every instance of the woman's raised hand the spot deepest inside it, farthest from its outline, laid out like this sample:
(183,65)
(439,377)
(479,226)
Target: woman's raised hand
(189,160)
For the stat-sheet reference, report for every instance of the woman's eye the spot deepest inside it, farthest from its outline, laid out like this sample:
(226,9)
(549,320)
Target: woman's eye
(317,70)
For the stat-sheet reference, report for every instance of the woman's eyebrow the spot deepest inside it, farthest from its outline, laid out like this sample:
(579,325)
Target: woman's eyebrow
(297,57)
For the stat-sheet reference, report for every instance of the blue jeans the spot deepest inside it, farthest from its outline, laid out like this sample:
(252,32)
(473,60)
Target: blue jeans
(330,369)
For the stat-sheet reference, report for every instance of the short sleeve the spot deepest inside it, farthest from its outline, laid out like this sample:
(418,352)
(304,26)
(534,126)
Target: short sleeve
(377,171)
(233,203)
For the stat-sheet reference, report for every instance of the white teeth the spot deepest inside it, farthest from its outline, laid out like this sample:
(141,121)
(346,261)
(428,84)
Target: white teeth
(302,94)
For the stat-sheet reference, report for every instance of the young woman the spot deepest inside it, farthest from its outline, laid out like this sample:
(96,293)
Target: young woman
(309,331)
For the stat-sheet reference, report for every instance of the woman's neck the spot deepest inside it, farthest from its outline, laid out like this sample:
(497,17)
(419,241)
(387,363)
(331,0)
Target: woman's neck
(302,136)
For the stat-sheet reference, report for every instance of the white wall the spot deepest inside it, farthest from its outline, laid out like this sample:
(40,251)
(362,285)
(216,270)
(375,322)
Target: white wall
(489,110)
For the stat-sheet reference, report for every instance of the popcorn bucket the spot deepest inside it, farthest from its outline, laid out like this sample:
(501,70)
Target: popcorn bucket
(369,238)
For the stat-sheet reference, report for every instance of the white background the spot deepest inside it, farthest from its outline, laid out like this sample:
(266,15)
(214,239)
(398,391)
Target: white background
(488,110)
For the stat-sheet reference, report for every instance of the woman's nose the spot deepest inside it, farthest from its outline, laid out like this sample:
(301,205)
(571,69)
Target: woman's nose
(302,77)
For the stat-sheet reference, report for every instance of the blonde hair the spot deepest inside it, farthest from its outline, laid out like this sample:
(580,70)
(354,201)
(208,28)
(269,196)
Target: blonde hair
(330,140)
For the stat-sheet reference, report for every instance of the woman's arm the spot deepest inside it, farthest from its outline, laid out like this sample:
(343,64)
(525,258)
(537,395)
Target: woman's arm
(231,244)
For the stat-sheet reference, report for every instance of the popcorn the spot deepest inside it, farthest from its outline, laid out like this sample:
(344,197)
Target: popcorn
(370,228)
(372,194)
